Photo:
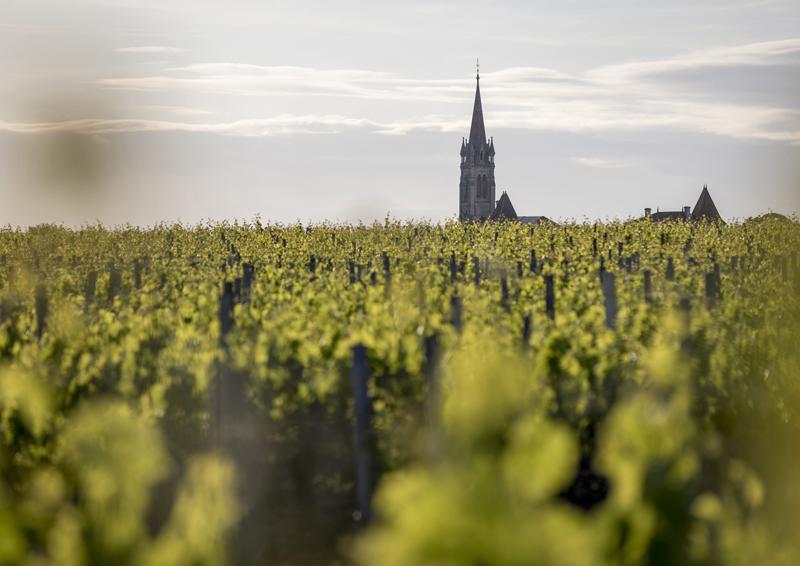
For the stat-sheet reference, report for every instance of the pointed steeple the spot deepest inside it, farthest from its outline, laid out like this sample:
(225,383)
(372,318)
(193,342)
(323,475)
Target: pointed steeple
(705,207)
(504,210)
(476,188)
(477,133)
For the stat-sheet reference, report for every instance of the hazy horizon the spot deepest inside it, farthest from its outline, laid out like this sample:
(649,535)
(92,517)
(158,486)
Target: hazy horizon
(124,112)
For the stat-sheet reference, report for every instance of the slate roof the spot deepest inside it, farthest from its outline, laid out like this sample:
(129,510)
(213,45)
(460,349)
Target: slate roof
(705,207)
(667,215)
(504,210)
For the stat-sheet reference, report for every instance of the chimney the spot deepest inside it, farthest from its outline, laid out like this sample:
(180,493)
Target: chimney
(687,212)
(647,212)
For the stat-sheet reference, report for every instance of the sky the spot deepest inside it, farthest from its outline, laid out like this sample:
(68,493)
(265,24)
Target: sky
(148,111)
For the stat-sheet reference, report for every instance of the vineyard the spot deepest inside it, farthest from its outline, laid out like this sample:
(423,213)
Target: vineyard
(401,394)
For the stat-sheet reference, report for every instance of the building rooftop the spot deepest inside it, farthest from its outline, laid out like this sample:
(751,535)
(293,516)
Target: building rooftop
(660,216)
(503,209)
(704,209)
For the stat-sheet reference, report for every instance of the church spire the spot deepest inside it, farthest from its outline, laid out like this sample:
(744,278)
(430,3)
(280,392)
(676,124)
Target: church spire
(477,188)
(477,132)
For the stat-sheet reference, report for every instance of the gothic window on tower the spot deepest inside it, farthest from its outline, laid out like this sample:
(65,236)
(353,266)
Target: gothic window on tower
(483,187)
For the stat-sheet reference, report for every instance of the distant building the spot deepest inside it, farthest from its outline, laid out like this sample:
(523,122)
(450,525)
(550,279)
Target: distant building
(476,189)
(660,216)
(704,209)
(504,210)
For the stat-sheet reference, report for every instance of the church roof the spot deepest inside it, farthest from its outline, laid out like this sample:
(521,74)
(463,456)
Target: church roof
(477,132)
(705,207)
(504,209)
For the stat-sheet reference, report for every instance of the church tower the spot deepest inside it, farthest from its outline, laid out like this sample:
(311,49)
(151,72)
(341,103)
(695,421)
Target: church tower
(476,189)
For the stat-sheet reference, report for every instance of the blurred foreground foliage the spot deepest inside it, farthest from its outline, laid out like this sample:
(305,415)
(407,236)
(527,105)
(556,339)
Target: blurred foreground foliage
(669,438)
(681,491)
(85,502)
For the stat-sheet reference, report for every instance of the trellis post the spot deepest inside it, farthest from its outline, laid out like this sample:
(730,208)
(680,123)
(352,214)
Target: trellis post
(362,432)
(550,297)
(610,299)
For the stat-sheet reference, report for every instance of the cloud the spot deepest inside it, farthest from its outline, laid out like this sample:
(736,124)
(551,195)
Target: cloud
(283,124)
(732,121)
(513,85)
(751,54)
(621,97)
(238,79)
(150,49)
(241,79)
(177,110)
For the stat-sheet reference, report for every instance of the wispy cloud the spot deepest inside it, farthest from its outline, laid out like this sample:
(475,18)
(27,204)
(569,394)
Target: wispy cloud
(735,122)
(516,83)
(283,124)
(622,97)
(177,110)
(239,79)
(731,120)
(150,49)
(750,54)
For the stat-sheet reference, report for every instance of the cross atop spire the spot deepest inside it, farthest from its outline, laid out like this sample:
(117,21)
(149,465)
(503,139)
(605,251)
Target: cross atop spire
(478,69)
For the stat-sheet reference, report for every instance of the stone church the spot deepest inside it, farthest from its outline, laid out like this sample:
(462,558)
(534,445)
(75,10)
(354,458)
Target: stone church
(476,190)
(477,187)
